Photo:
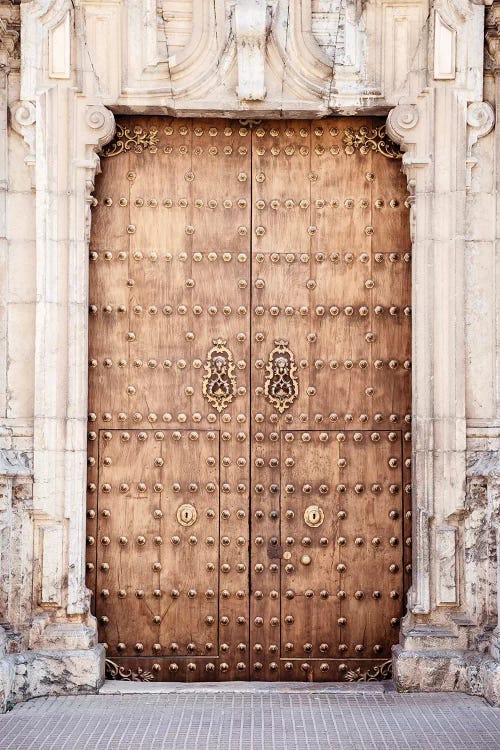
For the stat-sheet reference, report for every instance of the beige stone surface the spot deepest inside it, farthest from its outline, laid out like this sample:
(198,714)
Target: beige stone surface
(64,66)
(31,674)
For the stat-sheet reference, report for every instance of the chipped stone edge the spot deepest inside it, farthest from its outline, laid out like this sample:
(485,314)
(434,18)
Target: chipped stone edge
(121,687)
(447,671)
(39,673)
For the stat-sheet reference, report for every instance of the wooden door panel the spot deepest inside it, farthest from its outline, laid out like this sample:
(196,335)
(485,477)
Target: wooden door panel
(154,570)
(250,295)
(322,266)
(341,592)
(310,580)
(172,291)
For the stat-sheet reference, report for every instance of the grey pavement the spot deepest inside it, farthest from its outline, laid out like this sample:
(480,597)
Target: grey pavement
(252,717)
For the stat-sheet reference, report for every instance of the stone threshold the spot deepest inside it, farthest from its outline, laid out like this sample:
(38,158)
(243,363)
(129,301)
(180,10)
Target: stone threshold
(122,687)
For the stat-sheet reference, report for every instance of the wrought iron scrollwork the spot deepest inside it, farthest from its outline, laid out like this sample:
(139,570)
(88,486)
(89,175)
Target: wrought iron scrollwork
(281,386)
(219,382)
(367,139)
(115,672)
(135,139)
(374,674)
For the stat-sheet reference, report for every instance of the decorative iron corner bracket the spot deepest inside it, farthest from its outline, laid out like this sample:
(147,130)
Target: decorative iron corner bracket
(114,671)
(367,139)
(374,674)
(134,139)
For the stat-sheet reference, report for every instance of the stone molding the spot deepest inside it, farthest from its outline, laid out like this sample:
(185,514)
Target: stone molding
(15,501)
(22,120)
(60,431)
(480,121)
(70,79)
(237,49)
(251,29)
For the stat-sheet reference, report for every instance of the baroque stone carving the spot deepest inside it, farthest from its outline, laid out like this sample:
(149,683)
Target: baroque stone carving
(251,37)
(402,118)
(134,82)
(219,382)
(23,118)
(281,387)
(492,37)
(480,121)
(328,26)
(9,39)
(405,128)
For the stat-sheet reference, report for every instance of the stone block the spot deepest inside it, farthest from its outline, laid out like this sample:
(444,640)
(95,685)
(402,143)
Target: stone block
(33,674)
(429,671)
(490,678)
(7,673)
(446,671)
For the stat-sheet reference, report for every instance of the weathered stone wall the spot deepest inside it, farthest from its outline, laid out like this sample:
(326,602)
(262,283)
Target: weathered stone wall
(64,70)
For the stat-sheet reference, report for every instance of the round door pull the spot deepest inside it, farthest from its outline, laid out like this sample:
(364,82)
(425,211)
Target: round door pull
(186,514)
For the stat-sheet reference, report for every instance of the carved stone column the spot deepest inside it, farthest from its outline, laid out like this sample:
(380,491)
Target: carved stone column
(60,379)
(439,129)
(63,129)
(15,472)
(484,463)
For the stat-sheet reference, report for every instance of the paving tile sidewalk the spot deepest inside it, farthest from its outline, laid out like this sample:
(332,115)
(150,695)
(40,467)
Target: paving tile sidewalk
(288,717)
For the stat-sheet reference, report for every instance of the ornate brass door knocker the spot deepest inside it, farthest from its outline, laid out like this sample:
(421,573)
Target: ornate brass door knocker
(219,382)
(281,386)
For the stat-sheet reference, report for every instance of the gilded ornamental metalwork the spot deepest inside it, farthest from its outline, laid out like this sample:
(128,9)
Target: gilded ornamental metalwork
(114,671)
(219,382)
(135,139)
(374,674)
(281,387)
(363,140)
(367,139)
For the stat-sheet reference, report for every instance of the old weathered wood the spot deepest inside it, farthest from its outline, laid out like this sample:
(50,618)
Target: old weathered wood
(249,355)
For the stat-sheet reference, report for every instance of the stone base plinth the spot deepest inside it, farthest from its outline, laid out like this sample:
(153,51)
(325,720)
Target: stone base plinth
(32,674)
(446,671)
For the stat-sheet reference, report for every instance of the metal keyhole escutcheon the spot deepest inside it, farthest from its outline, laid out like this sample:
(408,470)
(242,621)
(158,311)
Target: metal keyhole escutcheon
(186,514)
(314,516)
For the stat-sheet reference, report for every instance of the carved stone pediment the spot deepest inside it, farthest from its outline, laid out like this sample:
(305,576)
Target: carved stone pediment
(263,56)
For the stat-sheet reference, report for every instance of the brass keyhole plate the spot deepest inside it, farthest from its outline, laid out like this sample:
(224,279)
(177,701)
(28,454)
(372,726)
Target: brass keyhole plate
(314,516)
(186,514)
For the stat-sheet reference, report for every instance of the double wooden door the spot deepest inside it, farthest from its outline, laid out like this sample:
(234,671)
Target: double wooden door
(249,400)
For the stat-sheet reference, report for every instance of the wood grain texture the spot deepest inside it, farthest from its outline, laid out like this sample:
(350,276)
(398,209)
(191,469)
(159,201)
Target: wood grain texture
(293,256)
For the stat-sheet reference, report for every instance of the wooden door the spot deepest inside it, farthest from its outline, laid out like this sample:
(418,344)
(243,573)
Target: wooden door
(249,400)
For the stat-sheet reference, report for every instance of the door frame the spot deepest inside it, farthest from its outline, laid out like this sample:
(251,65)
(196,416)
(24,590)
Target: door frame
(439,424)
(147,134)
